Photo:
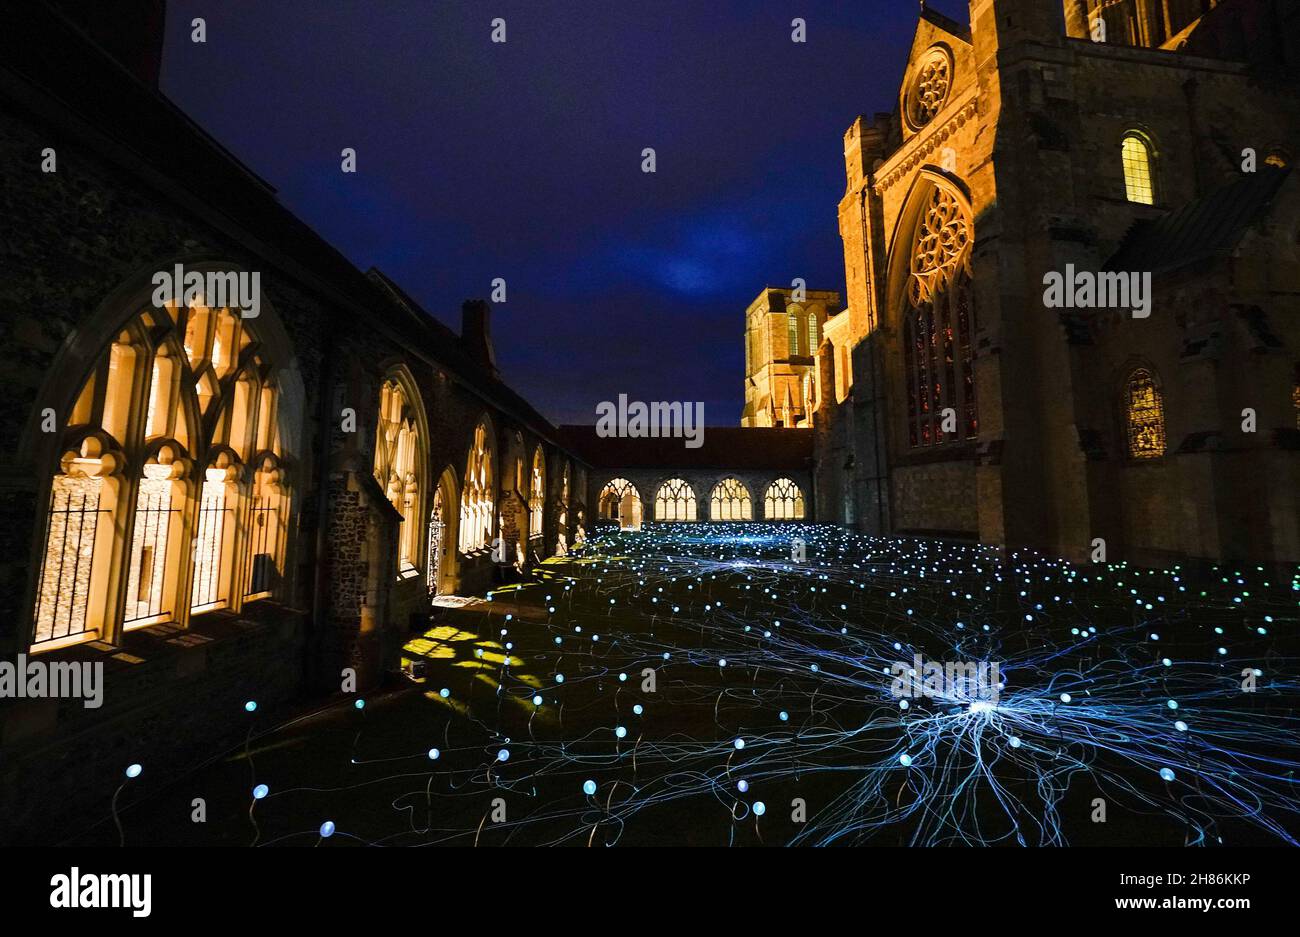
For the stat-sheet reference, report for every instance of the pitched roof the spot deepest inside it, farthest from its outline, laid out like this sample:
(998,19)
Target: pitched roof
(1202,230)
(724,447)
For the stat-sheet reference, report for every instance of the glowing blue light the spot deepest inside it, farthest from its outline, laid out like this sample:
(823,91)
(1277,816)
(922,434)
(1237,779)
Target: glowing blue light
(905,760)
(1180,726)
(740,743)
(742,785)
(1172,704)
(1167,774)
(559,678)
(589,788)
(434,754)
(503,755)
(638,709)
(250,706)
(1015,741)
(327,829)
(621,732)
(537,700)
(360,704)
(1065,697)
(133,771)
(760,808)
(444,692)
(260,791)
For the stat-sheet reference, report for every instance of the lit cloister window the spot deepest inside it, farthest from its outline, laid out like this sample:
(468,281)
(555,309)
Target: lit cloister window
(792,321)
(621,502)
(1145,416)
(675,501)
(437,531)
(730,501)
(1138,181)
(812,333)
(399,462)
(477,498)
(783,502)
(938,322)
(562,515)
(537,494)
(153,511)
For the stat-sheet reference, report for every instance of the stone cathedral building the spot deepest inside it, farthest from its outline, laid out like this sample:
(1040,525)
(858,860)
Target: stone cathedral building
(1149,138)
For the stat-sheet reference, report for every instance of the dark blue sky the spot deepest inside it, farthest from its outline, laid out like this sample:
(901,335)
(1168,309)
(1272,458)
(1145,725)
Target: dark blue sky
(523,160)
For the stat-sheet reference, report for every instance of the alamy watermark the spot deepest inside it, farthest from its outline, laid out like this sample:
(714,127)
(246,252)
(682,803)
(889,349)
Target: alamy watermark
(974,682)
(1106,290)
(639,420)
(39,679)
(236,290)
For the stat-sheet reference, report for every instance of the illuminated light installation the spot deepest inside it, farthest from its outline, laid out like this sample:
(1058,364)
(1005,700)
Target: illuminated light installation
(1084,705)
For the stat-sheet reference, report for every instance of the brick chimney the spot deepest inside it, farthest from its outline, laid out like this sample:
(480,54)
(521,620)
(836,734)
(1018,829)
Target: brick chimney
(476,334)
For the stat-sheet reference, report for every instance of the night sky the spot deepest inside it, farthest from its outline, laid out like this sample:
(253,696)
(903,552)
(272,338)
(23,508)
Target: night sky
(523,160)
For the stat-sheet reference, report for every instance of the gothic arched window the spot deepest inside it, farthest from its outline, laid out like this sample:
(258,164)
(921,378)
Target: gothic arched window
(675,501)
(938,323)
(537,494)
(621,502)
(1144,413)
(477,498)
(153,511)
(1139,184)
(783,502)
(792,329)
(562,514)
(730,501)
(399,468)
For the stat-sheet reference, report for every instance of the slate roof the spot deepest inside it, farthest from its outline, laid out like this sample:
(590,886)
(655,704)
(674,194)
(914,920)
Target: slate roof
(737,448)
(1203,230)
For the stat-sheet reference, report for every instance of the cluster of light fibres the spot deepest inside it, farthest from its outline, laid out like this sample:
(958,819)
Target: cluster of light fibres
(1127,696)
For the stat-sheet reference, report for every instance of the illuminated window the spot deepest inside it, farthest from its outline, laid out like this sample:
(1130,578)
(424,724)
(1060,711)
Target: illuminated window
(792,323)
(399,467)
(1136,155)
(477,498)
(938,323)
(812,333)
(562,515)
(675,501)
(1145,414)
(783,502)
(730,501)
(152,514)
(621,502)
(537,494)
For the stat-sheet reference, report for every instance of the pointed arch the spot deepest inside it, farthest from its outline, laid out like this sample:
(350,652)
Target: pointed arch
(675,501)
(536,494)
(932,300)
(148,494)
(620,501)
(478,493)
(441,572)
(1144,414)
(401,460)
(783,501)
(730,501)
